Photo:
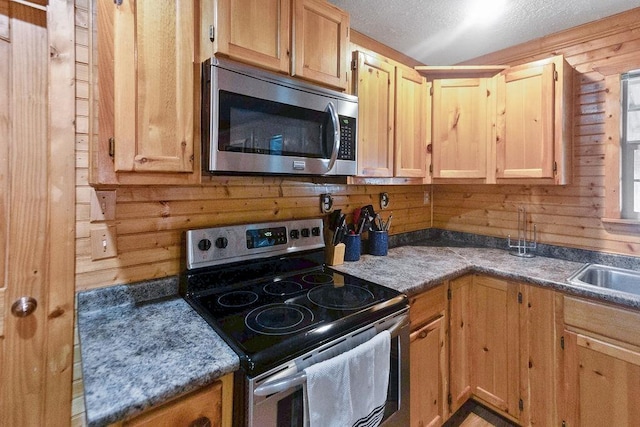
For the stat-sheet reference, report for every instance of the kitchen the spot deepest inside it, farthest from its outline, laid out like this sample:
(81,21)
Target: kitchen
(150,220)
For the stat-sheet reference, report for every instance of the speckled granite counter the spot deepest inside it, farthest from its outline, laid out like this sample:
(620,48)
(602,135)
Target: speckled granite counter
(413,269)
(142,345)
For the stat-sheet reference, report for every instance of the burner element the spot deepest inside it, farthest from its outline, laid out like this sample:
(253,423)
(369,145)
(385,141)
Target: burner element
(346,297)
(318,278)
(279,319)
(282,288)
(237,299)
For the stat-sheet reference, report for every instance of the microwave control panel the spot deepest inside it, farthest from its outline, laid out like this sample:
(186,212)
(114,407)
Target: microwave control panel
(347,138)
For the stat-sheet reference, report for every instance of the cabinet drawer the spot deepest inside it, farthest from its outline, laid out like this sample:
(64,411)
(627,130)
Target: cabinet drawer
(612,322)
(427,306)
(187,411)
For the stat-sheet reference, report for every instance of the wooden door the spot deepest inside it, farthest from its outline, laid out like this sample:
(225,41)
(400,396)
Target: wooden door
(256,32)
(428,363)
(539,343)
(460,388)
(461,128)
(412,122)
(603,382)
(153,85)
(37,204)
(525,125)
(495,344)
(320,42)
(376,93)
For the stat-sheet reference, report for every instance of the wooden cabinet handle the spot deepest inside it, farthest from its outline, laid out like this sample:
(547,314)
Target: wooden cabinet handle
(201,422)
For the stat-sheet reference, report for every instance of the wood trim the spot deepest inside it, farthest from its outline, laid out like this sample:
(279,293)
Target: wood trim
(609,349)
(61,215)
(528,51)
(368,43)
(612,146)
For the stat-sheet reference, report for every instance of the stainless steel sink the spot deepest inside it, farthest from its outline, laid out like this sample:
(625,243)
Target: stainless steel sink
(602,276)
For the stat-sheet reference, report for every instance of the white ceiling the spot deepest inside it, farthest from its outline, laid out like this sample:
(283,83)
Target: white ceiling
(440,32)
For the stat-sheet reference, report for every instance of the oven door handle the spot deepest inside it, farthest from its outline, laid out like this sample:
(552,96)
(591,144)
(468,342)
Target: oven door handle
(282,384)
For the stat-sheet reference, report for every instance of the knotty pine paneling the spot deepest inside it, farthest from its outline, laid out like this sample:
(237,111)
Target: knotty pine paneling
(569,215)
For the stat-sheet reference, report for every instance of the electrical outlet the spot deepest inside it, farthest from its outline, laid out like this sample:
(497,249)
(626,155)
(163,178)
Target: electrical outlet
(326,203)
(103,205)
(384,200)
(427,197)
(103,241)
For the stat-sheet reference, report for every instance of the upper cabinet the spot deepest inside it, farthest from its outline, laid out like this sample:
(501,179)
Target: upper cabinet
(393,118)
(461,128)
(147,93)
(495,124)
(305,38)
(533,132)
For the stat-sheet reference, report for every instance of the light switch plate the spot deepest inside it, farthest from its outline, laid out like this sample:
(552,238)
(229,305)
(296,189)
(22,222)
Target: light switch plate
(103,205)
(103,241)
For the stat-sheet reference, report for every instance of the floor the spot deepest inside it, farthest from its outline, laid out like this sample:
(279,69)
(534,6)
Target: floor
(472,414)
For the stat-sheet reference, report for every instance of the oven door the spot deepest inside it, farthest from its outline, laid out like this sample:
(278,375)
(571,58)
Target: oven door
(276,398)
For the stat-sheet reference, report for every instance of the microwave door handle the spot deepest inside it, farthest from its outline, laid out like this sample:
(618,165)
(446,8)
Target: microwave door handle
(336,134)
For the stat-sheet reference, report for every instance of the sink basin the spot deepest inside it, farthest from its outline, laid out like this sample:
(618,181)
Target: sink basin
(602,276)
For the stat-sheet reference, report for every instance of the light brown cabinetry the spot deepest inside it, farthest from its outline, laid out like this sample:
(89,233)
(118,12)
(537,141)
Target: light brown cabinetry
(428,355)
(533,131)
(147,94)
(461,128)
(601,364)
(460,388)
(393,118)
(304,38)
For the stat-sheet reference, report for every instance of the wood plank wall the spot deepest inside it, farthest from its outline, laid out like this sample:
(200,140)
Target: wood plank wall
(569,215)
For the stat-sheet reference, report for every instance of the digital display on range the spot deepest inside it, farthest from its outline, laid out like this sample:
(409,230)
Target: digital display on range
(265,237)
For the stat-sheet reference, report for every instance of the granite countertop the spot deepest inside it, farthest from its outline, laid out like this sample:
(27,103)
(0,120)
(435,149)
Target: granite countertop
(142,345)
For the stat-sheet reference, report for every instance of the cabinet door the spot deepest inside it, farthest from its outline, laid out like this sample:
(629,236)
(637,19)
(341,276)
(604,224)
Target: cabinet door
(459,342)
(412,122)
(153,85)
(376,94)
(495,344)
(428,364)
(525,127)
(461,128)
(603,383)
(256,32)
(539,344)
(320,42)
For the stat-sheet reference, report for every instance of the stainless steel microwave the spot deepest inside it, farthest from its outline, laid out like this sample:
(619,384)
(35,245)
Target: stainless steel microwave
(257,122)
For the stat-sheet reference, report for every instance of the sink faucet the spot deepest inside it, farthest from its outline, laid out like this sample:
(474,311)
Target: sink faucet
(523,246)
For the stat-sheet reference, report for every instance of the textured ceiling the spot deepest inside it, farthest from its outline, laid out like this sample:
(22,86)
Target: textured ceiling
(443,32)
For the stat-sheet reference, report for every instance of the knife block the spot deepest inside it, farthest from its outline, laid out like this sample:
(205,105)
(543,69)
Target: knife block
(334,255)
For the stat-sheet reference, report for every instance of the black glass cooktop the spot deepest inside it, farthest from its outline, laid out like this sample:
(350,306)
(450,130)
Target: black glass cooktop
(269,320)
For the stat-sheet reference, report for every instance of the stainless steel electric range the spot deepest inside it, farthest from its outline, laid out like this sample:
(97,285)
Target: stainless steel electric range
(265,290)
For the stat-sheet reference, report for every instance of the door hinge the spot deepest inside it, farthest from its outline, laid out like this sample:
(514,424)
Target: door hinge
(555,75)
(354,65)
(431,168)
(431,91)
(562,343)
(212,33)
(564,423)
(519,297)
(555,168)
(449,294)
(521,405)
(112,147)
(449,399)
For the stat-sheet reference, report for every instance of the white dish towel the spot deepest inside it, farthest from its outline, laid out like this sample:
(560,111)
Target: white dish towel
(351,388)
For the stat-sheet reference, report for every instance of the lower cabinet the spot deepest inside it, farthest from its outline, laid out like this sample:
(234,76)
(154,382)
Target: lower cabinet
(203,408)
(601,365)
(428,356)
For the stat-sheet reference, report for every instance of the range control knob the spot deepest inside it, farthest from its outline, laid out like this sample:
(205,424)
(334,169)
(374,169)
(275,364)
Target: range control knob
(204,244)
(294,234)
(221,242)
(305,232)
(315,231)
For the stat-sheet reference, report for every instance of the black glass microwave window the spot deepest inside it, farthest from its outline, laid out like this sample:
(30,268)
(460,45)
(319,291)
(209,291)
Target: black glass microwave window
(253,125)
